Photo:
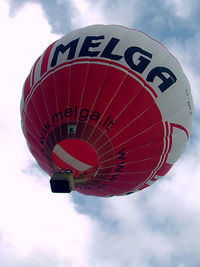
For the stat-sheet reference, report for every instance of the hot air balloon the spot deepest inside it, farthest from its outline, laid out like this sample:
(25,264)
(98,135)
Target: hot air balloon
(111,98)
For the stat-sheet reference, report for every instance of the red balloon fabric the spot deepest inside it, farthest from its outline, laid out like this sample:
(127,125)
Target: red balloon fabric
(111,97)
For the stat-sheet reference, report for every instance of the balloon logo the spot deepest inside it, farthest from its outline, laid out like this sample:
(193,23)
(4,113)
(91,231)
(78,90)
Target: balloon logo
(112,97)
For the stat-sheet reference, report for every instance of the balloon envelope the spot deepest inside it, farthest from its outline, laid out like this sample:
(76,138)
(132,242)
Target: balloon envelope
(107,96)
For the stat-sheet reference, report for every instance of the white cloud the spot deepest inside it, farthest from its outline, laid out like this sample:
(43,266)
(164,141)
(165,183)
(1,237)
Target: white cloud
(188,55)
(160,224)
(182,8)
(24,37)
(32,219)
(87,13)
(37,228)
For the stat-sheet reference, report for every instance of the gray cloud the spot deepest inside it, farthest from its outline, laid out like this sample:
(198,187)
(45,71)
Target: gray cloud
(156,227)
(57,12)
(157,18)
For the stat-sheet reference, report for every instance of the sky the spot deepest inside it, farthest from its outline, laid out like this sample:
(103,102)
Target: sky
(158,226)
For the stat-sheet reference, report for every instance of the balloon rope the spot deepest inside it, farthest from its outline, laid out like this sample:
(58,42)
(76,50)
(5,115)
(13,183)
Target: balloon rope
(33,136)
(82,95)
(31,121)
(125,127)
(56,99)
(47,110)
(95,100)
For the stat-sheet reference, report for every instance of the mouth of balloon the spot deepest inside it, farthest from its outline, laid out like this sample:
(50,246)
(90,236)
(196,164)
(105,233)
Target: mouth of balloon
(76,154)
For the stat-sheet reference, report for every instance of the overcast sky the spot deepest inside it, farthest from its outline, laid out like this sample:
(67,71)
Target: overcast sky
(159,226)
